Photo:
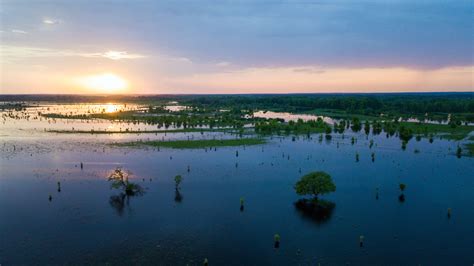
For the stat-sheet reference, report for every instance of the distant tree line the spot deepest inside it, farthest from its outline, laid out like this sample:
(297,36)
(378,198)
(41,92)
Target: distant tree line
(371,104)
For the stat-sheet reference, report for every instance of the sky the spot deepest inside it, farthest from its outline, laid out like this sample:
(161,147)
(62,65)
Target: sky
(221,46)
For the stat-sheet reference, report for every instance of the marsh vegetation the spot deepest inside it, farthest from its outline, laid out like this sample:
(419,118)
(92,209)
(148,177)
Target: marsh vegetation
(245,178)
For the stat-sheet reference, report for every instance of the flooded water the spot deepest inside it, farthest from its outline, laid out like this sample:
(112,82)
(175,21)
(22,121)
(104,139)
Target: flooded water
(88,222)
(291,117)
(31,124)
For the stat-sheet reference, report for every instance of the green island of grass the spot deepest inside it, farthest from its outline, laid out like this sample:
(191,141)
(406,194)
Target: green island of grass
(183,130)
(470,148)
(194,144)
(446,131)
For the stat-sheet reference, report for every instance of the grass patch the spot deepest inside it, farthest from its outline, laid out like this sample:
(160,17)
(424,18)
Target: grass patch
(448,132)
(185,130)
(194,144)
(470,149)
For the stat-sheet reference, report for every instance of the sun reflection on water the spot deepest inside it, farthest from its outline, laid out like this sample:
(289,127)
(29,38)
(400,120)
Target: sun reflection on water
(111,108)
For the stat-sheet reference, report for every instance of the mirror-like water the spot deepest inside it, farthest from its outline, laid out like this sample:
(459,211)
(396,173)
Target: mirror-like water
(291,117)
(88,222)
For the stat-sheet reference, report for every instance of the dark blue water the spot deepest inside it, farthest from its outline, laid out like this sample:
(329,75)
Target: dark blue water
(81,226)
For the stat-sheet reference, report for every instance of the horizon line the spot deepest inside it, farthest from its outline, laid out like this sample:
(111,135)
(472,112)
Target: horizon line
(230,94)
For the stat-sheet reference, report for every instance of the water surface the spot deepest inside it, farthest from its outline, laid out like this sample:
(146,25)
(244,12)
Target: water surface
(88,222)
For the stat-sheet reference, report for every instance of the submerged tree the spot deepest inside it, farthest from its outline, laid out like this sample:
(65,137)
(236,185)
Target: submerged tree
(459,152)
(315,184)
(404,145)
(431,138)
(367,127)
(120,180)
(401,198)
(177,180)
(356,125)
(328,133)
(402,187)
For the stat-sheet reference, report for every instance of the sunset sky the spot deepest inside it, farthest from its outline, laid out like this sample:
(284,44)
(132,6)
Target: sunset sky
(202,46)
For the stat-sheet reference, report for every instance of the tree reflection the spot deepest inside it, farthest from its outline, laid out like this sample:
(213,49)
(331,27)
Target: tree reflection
(319,211)
(177,196)
(120,181)
(118,202)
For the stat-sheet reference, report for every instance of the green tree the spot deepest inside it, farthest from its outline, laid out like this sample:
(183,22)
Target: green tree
(177,180)
(315,184)
(119,180)
(402,187)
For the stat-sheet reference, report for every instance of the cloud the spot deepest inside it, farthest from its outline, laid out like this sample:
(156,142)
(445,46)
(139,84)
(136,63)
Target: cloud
(19,31)
(223,64)
(18,52)
(310,70)
(119,55)
(181,59)
(50,21)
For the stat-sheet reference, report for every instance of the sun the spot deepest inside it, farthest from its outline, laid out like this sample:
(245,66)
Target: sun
(106,83)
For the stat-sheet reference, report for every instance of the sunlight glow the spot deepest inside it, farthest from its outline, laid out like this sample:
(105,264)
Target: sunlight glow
(105,83)
(111,108)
